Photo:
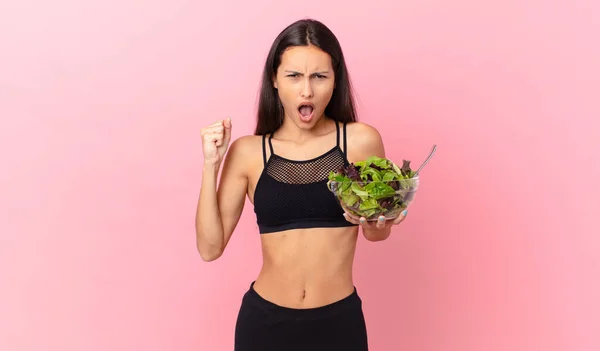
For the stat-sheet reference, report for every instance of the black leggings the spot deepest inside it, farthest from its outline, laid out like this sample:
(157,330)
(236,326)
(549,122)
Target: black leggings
(264,326)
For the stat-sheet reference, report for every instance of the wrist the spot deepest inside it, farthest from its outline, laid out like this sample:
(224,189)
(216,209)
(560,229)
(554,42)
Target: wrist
(211,167)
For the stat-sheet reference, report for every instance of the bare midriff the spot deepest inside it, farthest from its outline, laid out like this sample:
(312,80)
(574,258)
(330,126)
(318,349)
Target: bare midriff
(307,268)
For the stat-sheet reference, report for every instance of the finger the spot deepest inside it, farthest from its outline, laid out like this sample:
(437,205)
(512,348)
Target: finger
(364,223)
(351,215)
(212,129)
(380,222)
(227,122)
(350,219)
(401,217)
(214,137)
(214,134)
(227,131)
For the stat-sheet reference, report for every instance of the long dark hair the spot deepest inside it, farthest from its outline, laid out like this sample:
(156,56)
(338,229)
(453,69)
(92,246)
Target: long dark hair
(303,33)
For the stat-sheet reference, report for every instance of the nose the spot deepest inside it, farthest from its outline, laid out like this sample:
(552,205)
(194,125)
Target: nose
(307,90)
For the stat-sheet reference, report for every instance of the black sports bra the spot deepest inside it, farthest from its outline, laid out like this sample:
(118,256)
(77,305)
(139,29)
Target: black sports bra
(293,194)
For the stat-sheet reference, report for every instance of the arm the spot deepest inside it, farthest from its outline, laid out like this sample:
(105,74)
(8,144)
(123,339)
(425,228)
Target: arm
(365,141)
(220,207)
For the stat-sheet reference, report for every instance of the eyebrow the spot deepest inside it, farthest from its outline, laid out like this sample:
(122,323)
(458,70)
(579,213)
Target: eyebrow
(322,72)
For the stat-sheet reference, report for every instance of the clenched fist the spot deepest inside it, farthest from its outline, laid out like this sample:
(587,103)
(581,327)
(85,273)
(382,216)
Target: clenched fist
(215,140)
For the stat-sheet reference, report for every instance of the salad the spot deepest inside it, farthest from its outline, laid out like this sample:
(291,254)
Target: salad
(374,187)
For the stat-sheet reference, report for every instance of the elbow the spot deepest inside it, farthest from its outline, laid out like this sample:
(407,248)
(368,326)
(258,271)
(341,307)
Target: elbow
(209,258)
(374,239)
(209,254)
(376,236)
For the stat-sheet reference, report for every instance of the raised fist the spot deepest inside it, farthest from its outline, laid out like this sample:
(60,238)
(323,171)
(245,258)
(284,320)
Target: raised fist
(215,140)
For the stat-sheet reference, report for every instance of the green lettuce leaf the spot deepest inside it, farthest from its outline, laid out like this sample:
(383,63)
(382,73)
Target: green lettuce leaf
(373,186)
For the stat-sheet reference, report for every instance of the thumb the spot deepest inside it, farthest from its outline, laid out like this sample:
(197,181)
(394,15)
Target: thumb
(401,217)
(227,133)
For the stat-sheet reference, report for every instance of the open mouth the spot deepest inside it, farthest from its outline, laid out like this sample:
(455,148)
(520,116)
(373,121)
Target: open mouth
(306,111)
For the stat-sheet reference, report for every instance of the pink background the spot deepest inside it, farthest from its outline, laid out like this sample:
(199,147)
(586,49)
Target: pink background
(102,103)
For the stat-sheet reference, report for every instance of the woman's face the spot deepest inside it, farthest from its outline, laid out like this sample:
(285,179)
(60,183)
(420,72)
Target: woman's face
(305,83)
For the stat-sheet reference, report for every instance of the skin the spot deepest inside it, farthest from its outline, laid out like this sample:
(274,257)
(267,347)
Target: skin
(302,268)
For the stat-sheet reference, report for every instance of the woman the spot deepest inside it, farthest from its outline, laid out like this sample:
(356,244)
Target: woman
(304,297)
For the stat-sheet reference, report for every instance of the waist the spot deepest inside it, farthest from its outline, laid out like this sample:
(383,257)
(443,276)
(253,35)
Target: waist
(303,293)
(349,300)
(307,268)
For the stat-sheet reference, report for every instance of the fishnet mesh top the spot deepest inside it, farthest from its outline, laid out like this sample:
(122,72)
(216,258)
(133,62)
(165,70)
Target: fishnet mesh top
(293,194)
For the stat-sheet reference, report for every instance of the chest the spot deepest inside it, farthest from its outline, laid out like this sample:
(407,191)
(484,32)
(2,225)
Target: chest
(288,189)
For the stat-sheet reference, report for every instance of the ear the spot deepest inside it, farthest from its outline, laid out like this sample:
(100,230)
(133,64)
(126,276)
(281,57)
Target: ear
(274,80)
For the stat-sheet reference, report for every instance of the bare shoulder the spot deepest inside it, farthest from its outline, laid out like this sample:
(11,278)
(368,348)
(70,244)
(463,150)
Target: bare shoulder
(244,152)
(246,142)
(364,141)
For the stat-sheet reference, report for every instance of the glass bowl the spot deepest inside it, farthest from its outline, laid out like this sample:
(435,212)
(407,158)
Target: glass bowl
(372,199)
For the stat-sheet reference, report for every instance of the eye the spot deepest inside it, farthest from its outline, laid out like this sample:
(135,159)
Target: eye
(320,76)
(293,75)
